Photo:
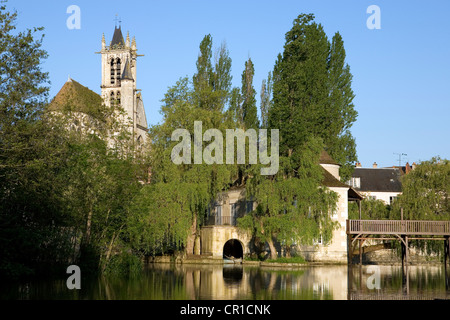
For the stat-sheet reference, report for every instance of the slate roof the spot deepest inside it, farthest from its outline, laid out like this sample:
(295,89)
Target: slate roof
(331,182)
(378,179)
(127,72)
(117,39)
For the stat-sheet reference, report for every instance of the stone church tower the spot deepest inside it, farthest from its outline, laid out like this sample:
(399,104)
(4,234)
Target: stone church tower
(119,64)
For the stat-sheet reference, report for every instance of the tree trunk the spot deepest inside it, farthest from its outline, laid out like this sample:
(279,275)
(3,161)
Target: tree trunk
(88,228)
(287,250)
(273,250)
(190,242)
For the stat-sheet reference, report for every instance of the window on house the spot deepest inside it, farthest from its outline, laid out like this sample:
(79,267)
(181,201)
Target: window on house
(392,199)
(234,213)
(319,240)
(355,182)
(218,215)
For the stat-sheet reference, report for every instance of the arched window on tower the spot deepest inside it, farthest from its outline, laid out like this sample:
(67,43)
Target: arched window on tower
(112,71)
(112,100)
(118,71)
(118,98)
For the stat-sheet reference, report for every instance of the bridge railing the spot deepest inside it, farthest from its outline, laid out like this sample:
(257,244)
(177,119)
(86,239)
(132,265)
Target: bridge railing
(406,227)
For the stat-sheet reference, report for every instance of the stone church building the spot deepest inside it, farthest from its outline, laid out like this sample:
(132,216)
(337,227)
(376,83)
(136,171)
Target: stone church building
(118,88)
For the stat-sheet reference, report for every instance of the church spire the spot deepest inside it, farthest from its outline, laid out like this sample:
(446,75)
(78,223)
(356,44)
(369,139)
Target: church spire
(103,42)
(117,39)
(127,43)
(127,75)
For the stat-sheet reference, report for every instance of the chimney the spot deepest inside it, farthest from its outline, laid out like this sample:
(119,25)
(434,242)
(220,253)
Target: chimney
(413,166)
(358,165)
(375,165)
(407,168)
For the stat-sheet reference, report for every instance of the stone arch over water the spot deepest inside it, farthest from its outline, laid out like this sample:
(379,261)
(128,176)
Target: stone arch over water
(233,248)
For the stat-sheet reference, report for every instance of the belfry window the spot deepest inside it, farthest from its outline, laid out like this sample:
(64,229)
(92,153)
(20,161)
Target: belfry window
(118,71)
(112,99)
(118,98)
(113,71)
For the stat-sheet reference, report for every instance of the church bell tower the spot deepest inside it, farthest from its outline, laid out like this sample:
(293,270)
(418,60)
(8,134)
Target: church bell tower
(119,81)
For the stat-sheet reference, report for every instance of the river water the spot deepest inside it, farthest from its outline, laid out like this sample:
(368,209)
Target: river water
(230,282)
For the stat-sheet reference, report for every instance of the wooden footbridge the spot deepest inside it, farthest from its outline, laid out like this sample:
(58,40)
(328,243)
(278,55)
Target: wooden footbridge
(359,231)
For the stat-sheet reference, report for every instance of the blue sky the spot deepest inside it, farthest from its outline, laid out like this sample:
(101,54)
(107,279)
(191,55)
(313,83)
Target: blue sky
(401,72)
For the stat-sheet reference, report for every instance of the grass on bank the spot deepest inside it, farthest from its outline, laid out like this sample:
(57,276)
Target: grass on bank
(298,259)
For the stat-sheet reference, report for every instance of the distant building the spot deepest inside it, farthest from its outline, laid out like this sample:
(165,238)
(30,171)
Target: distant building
(118,88)
(220,237)
(378,183)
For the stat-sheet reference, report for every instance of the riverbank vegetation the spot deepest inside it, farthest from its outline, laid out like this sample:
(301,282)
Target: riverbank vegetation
(72,197)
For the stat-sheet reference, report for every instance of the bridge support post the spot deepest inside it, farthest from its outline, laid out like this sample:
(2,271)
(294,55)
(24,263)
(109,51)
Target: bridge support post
(349,249)
(360,252)
(446,258)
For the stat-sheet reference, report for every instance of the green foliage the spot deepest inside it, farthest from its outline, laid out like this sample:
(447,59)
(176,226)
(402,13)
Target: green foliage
(340,109)
(425,196)
(64,194)
(212,84)
(166,213)
(426,191)
(298,259)
(370,210)
(266,100)
(293,207)
(249,111)
(124,264)
(312,93)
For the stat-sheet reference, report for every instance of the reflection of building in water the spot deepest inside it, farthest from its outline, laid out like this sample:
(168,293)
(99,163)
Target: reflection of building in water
(230,282)
(216,282)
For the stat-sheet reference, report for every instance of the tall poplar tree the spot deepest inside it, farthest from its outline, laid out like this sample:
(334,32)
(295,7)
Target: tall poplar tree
(266,100)
(249,110)
(312,94)
(300,85)
(341,113)
(212,82)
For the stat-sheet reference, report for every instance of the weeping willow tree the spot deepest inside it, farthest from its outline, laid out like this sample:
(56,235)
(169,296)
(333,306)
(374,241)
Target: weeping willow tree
(425,196)
(293,207)
(166,215)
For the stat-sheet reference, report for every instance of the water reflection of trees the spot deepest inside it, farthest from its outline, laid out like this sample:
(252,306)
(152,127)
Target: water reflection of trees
(416,282)
(195,282)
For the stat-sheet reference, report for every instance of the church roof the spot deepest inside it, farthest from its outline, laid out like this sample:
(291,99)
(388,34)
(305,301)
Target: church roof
(74,97)
(117,39)
(127,72)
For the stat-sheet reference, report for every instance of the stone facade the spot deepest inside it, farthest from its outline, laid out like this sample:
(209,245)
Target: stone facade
(228,206)
(119,65)
(221,224)
(336,251)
